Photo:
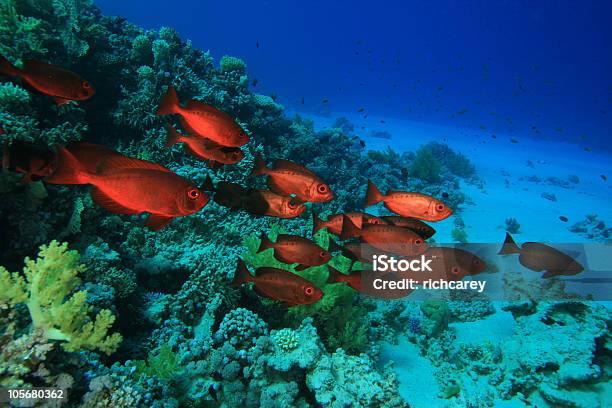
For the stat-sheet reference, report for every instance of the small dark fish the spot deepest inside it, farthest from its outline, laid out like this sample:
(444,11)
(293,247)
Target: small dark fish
(382,121)
(360,110)
(365,116)
(302,100)
(257,44)
(494,137)
(588,149)
(362,143)
(255,81)
(513,140)
(325,101)
(604,177)
(563,218)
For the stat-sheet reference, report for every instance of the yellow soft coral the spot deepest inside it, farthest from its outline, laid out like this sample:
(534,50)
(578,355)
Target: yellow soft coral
(48,281)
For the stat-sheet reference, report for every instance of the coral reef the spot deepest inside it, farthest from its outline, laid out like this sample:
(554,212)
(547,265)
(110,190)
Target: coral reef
(593,228)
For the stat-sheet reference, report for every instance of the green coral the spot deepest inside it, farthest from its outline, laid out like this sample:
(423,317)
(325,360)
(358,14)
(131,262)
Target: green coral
(163,364)
(232,64)
(56,311)
(438,313)
(425,166)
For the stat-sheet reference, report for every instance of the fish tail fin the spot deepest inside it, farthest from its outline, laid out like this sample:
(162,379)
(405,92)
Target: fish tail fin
(334,275)
(169,103)
(259,167)
(266,243)
(67,169)
(6,68)
(208,184)
(173,136)
(349,229)
(241,275)
(373,195)
(317,223)
(509,246)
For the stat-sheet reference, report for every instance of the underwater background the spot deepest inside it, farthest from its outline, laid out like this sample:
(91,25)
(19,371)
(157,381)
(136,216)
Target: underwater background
(503,110)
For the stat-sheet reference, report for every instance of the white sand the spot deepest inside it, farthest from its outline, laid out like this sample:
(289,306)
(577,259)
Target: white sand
(485,220)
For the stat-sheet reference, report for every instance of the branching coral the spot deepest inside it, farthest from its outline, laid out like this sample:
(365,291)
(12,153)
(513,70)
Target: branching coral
(46,291)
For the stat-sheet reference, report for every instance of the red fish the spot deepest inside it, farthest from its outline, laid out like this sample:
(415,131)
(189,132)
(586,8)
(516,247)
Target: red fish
(409,204)
(450,264)
(288,178)
(123,185)
(205,149)
(201,119)
(33,161)
(334,222)
(418,226)
(362,282)
(255,201)
(539,257)
(388,238)
(292,249)
(278,284)
(64,86)
(91,155)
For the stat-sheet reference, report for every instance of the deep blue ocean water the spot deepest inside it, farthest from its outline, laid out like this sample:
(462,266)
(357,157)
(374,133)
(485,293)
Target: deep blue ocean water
(530,68)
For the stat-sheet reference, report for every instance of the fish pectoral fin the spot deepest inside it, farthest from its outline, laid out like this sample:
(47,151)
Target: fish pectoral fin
(156,222)
(301,267)
(108,203)
(61,101)
(275,187)
(552,273)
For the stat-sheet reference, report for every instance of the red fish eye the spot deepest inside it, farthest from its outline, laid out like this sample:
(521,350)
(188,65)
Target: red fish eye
(322,254)
(455,270)
(193,193)
(86,85)
(322,188)
(418,241)
(440,207)
(308,291)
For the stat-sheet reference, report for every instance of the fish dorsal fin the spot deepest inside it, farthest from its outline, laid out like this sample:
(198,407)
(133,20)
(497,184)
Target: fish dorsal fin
(281,164)
(124,162)
(156,222)
(204,107)
(109,204)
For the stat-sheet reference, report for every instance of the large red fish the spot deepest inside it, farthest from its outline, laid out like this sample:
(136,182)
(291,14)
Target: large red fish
(278,284)
(91,155)
(288,178)
(446,263)
(409,204)
(123,185)
(255,201)
(33,161)
(63,85)
(388,238)
(334,222)
(205,149)
(292,249)
(201,119)
(539,257)
(413,224)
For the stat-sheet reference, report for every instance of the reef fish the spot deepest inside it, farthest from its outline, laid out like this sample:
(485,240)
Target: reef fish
(205,149)
(63,85)
(288,178)
(539,257)
(91,155)
(362,281)
(418,226)
(389,238)
(255,201)
(334,222)
(450,264)
(292,249)
(33,161)
(124,185)
(409,204)
(278,284)
(199,118)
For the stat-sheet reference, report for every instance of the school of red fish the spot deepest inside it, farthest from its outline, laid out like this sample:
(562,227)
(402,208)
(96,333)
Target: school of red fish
(125,185)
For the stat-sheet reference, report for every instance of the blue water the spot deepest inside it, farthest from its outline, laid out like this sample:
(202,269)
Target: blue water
(530,68)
